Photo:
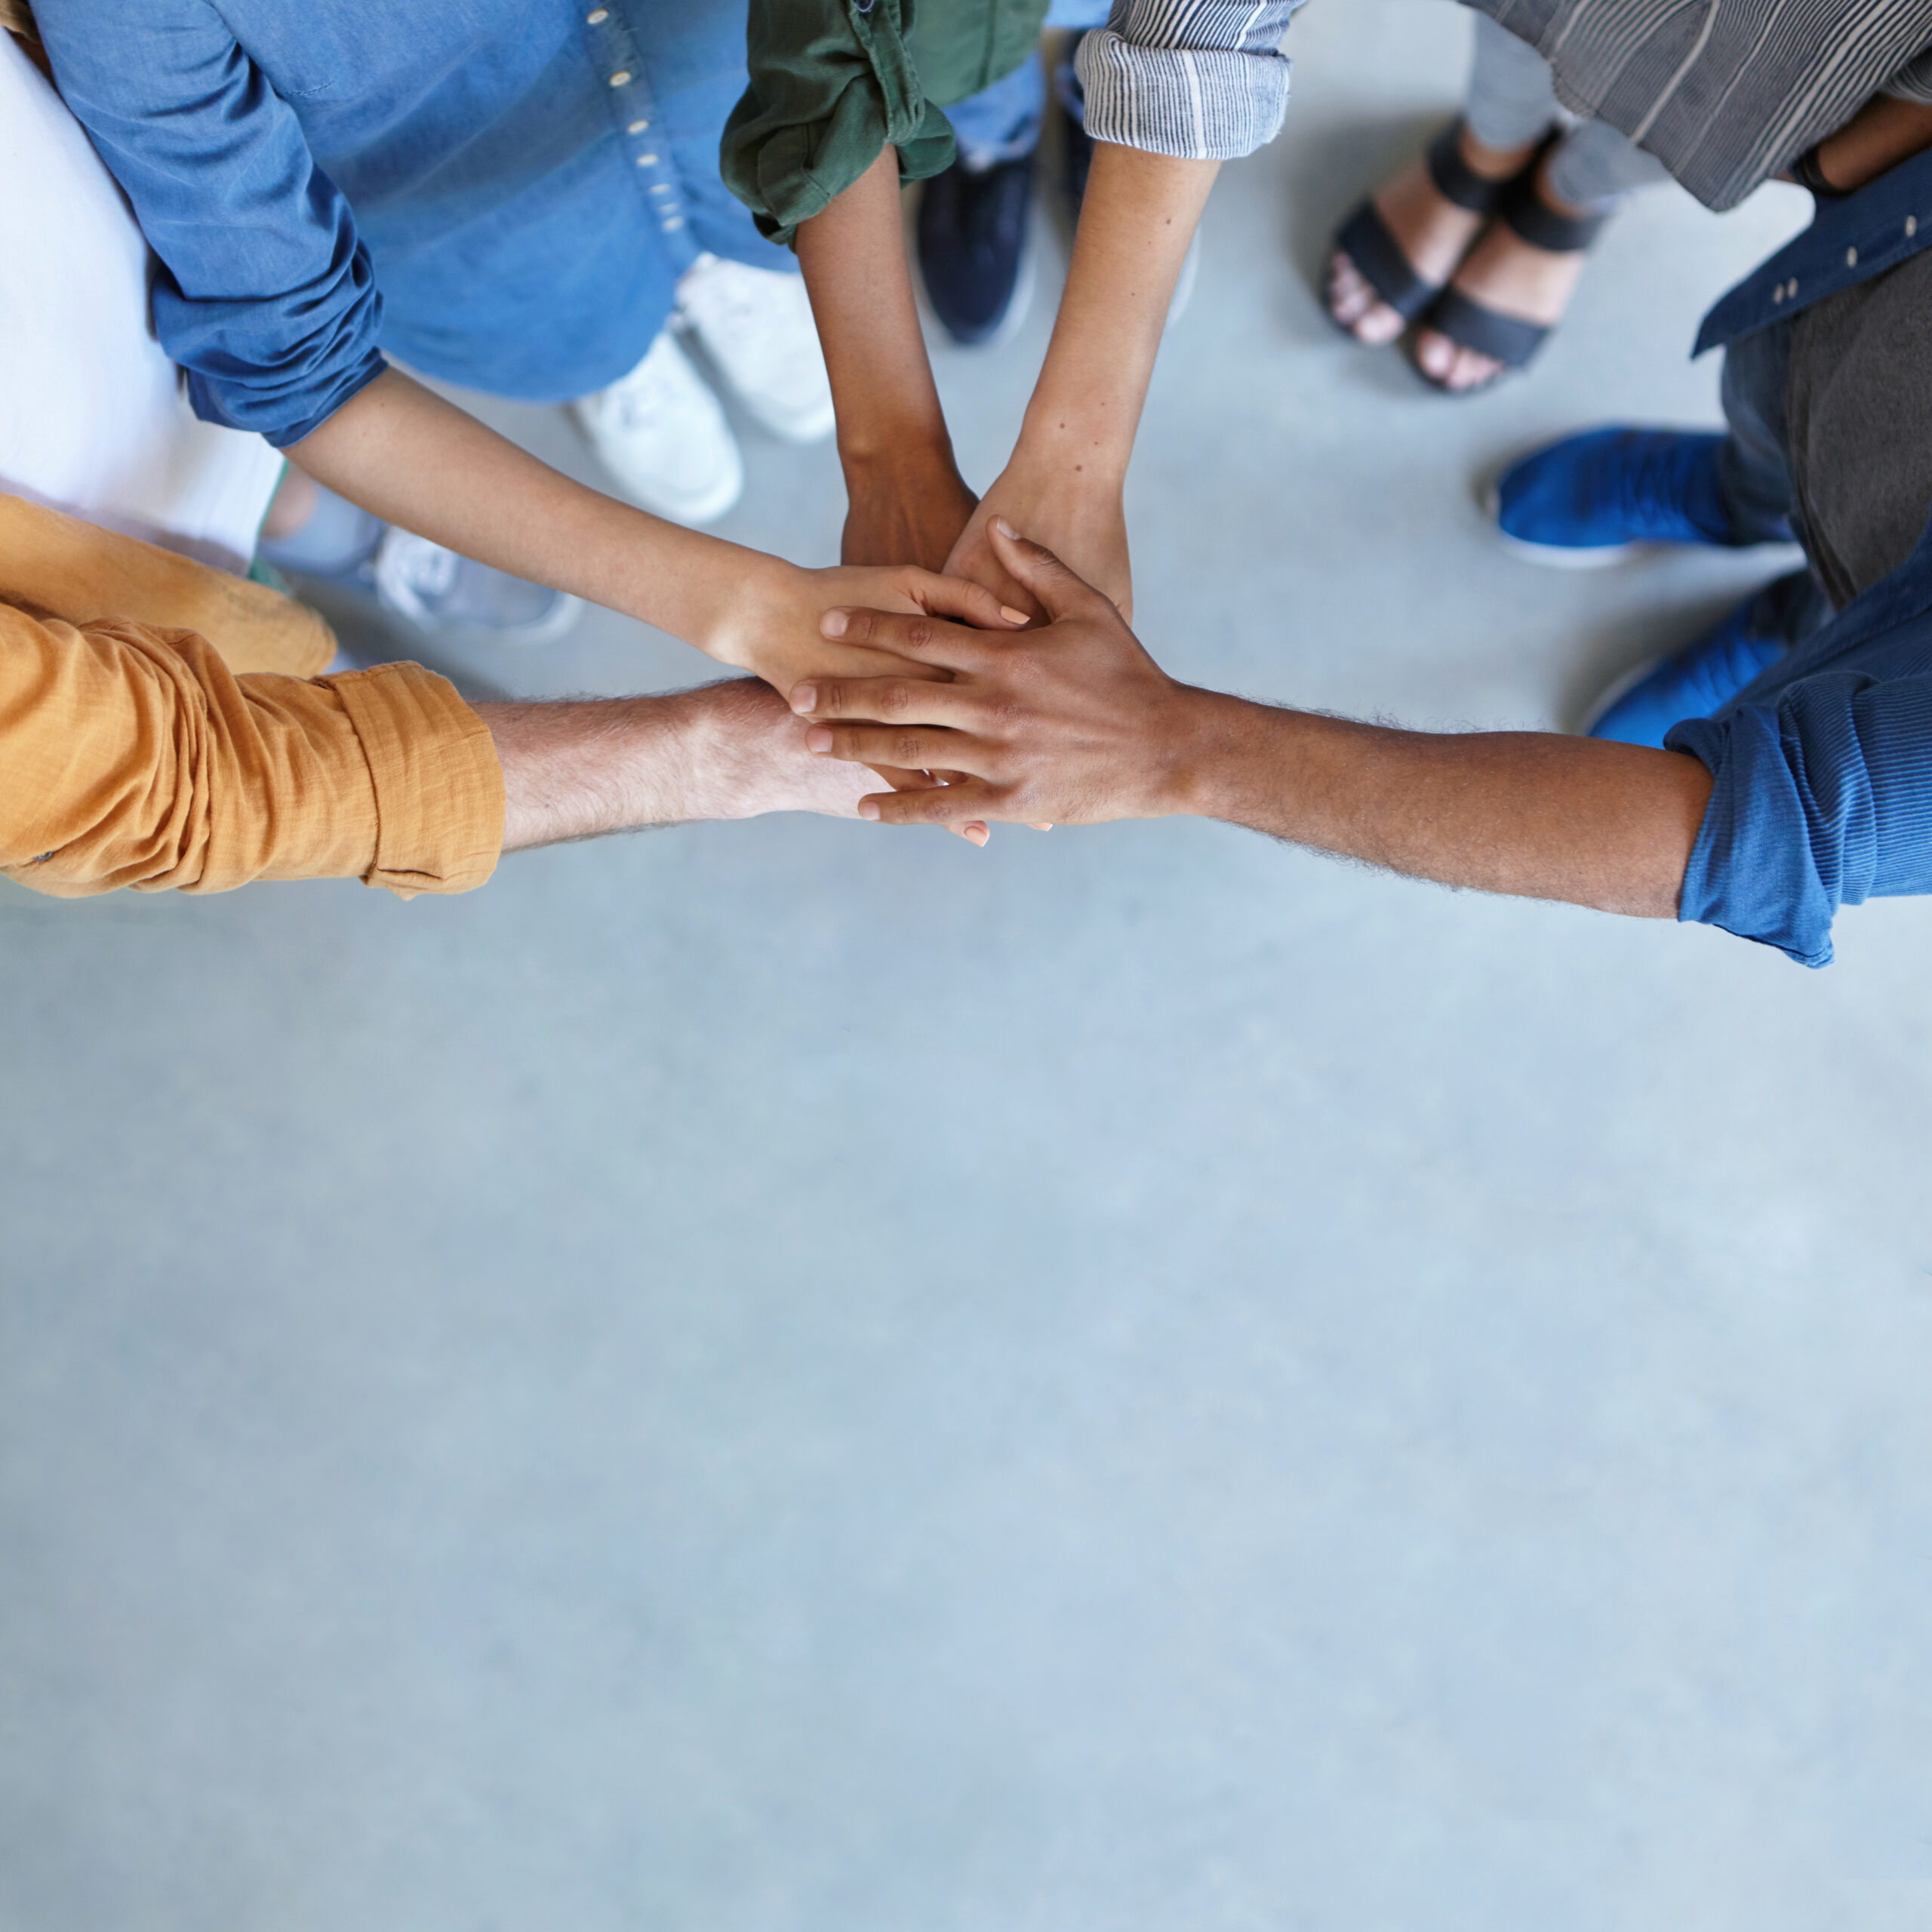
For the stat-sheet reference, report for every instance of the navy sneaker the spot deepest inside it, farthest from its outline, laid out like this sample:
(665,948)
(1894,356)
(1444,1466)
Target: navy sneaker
(1594,498)
(1700,679)
(973,258)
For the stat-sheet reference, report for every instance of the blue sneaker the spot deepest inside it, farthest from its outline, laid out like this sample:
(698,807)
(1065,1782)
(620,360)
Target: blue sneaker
(1700,679)
(1593,499)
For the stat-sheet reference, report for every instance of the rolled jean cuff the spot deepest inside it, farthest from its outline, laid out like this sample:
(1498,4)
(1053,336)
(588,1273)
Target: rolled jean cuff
(1595,167)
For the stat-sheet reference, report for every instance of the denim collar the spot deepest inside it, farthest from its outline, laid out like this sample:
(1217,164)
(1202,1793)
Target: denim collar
(1849,240)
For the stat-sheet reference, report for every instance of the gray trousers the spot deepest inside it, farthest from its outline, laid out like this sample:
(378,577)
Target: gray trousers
(1512,102)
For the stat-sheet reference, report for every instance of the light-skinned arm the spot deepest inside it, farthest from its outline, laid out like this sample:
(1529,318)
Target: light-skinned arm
(1065,479)
(908,503)
(728,751)
(400,451)
(1076,724)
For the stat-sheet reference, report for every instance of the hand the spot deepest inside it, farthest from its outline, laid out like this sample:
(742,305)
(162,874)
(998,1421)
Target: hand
(1072,724)
(744,756)
(1083,523)
(774,629)
(905,511)
(770,623)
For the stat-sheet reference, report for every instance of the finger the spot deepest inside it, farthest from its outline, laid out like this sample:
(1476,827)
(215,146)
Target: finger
(925,640)
(902,779)
(904,747)
(959,597)
(909,700)
(953,806)
(1055,587)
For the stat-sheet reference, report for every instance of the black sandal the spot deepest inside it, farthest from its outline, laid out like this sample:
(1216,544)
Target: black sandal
(1365,239)
(1508,340)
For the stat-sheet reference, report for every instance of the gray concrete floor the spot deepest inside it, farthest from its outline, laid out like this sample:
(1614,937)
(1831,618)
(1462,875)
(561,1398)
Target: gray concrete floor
(791,1378)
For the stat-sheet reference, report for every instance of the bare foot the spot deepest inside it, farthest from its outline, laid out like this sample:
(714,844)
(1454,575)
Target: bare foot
(1430,229)
(1504,272)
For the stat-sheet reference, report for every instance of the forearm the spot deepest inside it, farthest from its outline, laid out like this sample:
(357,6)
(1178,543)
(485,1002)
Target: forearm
(403,453)
(1138,217)
(1882,134)
(1532,814)
(853,257)
(576,771)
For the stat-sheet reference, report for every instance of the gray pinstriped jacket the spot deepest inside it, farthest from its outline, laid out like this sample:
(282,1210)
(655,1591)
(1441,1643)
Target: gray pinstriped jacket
(1724,93)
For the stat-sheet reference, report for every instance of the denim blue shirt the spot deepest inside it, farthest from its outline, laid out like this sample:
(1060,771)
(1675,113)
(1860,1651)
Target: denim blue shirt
(1822,770)
(1822,775)
(503,193)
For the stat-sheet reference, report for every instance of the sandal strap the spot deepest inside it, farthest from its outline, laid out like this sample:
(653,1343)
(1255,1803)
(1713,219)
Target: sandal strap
(1365,239)
(1456,180)
(1541,227)
(1505,339)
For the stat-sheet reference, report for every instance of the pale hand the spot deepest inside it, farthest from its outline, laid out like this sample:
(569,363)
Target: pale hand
(1083,525)
(770,624)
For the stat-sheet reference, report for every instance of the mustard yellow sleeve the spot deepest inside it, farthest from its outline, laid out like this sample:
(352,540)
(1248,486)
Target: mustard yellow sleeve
(133,756)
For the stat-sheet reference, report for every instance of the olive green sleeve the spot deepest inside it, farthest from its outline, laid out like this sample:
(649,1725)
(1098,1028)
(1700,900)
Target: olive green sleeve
(831,83)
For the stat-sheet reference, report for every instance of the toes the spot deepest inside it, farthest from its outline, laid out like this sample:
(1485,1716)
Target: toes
(1472,370)
(1353,303)
(1436,355)
(1381,325)
(1349,294)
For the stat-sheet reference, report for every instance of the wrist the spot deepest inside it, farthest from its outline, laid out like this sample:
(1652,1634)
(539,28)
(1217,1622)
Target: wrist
(871,452)
(1204,750)
(738,633)
(1060,452)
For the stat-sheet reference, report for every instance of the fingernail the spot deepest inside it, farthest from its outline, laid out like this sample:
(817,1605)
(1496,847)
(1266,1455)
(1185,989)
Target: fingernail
(818,739)
(1004,528)
(804,697)
(832,624)
(1012,616)
(979,834)
(868,808)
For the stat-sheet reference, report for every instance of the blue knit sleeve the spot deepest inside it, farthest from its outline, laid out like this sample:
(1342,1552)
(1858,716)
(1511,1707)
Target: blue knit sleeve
(1821,800)
(264,294)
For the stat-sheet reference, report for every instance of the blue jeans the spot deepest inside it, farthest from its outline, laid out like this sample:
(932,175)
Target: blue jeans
(1002,122)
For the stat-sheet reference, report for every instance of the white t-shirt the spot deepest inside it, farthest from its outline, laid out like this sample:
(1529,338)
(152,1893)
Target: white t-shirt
(93,417)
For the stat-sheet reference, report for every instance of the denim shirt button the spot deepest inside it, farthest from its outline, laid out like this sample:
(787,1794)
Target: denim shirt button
(637,126)
(1851,258)
(621,77)
(597,16)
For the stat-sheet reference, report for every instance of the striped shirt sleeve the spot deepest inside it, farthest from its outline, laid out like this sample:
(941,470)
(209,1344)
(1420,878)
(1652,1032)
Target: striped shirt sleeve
(1913,82)
(1201,80)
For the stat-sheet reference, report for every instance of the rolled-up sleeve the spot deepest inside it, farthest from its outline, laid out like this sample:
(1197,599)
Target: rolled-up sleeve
(265,295)
(831,83)
(135,758)
(1822,800)
(1913,82)
(1200,80)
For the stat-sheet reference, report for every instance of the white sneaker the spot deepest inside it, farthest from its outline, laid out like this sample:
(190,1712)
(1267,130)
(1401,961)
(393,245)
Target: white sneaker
(756,326)
(661,433)
(439,591)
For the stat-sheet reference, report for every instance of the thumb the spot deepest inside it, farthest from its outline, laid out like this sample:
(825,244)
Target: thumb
(1059,591)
